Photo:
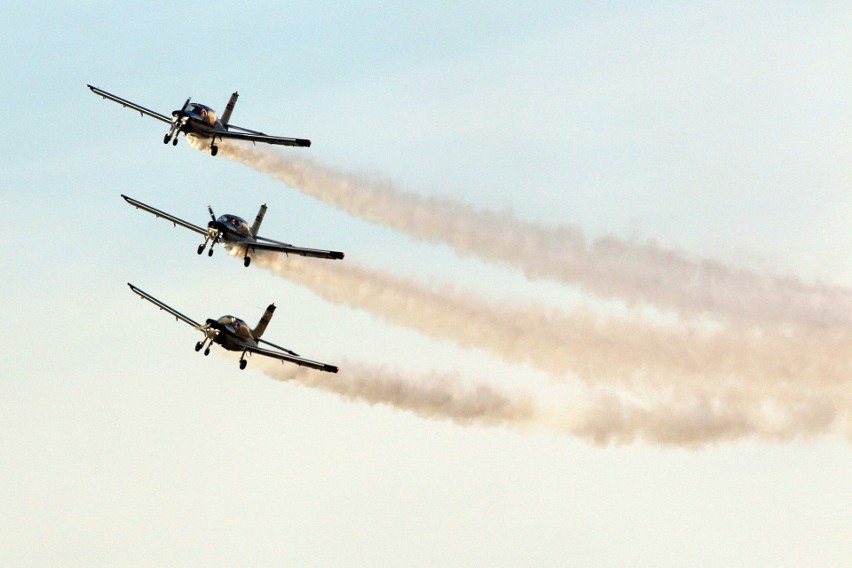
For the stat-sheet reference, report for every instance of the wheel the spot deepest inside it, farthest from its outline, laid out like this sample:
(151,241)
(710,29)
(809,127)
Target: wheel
(174,142)
(207,352)
(200,249)
(243,364)
(166,139)
(209,252)
(247,261)
(198,346)
(214,150)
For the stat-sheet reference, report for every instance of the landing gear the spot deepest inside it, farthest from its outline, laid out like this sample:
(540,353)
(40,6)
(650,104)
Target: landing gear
(210,251)
(247,261)
(214,149)
(174,142)
(243,361)
(200,345)
(204,244)
(167,137)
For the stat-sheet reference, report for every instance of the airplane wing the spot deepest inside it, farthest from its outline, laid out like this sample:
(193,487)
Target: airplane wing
(235,127)
(284,349)
(162,306)
(129,104)
(291,358)
(274,246)
(252,136)
(166,216)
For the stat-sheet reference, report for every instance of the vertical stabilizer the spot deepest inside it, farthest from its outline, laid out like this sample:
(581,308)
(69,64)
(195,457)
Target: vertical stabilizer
(264,321)
(258,220)
(226,117)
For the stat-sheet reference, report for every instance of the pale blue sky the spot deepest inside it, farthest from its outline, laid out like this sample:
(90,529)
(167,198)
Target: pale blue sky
(712,128)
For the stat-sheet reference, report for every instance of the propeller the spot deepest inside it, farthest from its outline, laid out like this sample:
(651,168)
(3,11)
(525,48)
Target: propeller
(178,121)
(182,114)
(212,324)
(213,232)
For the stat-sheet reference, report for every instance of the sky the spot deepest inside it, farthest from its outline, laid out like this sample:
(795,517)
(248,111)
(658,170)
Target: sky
(595,310)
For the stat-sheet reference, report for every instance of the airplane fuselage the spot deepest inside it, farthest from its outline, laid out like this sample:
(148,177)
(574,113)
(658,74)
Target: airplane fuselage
(201,120)
(231,333)
(231,227)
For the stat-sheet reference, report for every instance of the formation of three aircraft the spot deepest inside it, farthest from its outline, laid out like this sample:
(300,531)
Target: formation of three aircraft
(230,231)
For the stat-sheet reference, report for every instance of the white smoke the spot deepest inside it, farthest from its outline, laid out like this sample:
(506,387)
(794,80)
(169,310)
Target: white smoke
(599,417)
(632,353)
(762,374)
(671,386)
(609,267)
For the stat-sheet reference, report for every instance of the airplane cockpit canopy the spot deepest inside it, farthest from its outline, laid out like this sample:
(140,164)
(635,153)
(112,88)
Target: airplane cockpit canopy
(207,114)
(234,322)
(234,222)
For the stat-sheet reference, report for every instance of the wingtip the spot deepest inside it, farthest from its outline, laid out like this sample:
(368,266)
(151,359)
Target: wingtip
(330,368)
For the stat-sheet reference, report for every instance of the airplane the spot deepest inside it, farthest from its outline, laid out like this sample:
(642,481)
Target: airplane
(201,120)
(232,231)
(234,335)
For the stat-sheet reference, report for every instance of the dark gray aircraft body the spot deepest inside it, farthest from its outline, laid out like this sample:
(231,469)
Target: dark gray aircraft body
(233,231)
(202,121)
(233,334)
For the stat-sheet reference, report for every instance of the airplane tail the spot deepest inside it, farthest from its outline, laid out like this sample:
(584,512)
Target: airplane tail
(258,220)
(257,332)
(226,117)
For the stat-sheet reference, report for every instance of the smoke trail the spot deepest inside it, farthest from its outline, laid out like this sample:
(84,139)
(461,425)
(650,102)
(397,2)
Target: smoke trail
(432,396)
(600,418)
(609,267)
(811,397)
(595,349)
(699,389)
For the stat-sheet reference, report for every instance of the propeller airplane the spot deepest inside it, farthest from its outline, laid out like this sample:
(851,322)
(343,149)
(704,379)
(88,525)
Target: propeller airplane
(202,121)
(232,231)
(233,334)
